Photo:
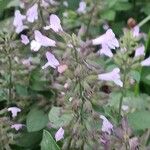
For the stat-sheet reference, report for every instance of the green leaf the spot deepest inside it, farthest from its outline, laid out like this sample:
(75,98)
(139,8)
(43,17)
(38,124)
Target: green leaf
(146,9)
(135,75)
(21,90)
(108,15)
(36,120)
(139,120)
(57,119)
(148,77)
(111,3)
(122,6)
(3,5)
(29,139)
(48,143)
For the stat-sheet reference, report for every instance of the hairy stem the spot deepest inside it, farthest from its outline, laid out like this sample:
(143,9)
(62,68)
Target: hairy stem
(10,79)
(123,92)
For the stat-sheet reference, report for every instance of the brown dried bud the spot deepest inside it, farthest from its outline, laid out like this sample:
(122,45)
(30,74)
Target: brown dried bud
(131,23)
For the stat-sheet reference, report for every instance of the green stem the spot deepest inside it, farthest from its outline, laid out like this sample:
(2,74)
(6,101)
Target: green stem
(41,14)
(10,79)
(123,92)
(144,21)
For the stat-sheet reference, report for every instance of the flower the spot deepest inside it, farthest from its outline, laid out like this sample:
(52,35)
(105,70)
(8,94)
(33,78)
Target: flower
(106,51)
(108,41)
(59,134)
(35,46)
(32,13)
(136,31)
(146,62)
(112,76)
(41,40)
(14,111)
(82,7)
(55,24)
(106,125)
(17,126)
(24,39)
(140,51)
(133,143)
(54,63)
(18,21)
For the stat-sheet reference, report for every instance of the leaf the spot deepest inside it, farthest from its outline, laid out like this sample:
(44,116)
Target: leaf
(57,119)
(108,15)
(139,120)
(135,75)
(29,139)
(146,9)
(48,143)
(36,120)
(21,90)
(122,6)
(111,3)
(3,5)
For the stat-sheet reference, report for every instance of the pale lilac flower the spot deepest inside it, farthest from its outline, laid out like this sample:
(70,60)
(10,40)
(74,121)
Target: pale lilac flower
(18,21)
(133,143)
(17,127)
(24,39)
(114,76)
(82,7)
(41,40)
(32,13)
(105,51)
(14,111)
(52,61)
(136,31)
(108,39)
(140,51)
(106,126)
(146,62)
(35,46)
(59,134)
(55,24)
